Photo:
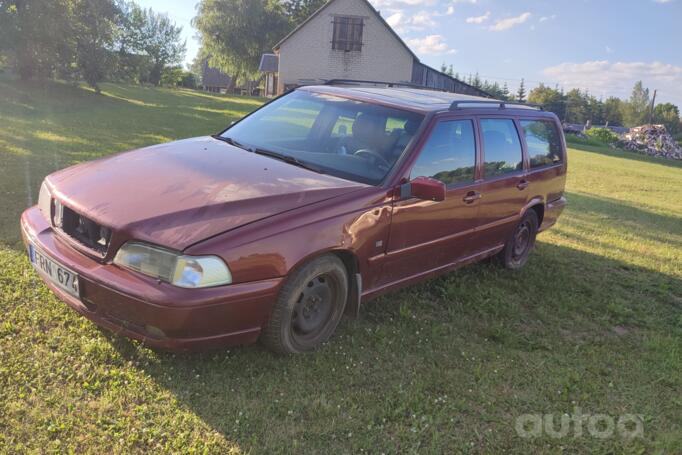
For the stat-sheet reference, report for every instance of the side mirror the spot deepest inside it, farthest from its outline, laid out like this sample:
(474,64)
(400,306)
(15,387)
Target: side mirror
(424,188)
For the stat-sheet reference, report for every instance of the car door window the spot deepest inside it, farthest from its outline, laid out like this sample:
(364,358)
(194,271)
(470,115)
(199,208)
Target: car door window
(449,155)
(501,147)
(543,142)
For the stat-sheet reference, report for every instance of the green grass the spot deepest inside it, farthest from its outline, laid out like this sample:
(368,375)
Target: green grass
(594,322)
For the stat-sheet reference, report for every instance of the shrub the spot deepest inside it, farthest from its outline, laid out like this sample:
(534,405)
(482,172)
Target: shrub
(603,135)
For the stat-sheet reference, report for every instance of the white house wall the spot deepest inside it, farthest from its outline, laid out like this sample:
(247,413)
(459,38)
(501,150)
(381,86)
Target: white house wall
(308,53)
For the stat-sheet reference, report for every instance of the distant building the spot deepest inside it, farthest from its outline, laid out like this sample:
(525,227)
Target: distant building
(269,65)
(213,80)
(348,39)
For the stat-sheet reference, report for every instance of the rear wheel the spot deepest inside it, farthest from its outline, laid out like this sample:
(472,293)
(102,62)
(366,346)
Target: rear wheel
(518,247)
(309,307)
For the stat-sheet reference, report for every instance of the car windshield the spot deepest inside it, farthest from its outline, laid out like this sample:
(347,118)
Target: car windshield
(348,139)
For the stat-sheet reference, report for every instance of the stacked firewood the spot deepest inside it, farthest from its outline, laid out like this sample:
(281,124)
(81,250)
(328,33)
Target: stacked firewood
(651,140)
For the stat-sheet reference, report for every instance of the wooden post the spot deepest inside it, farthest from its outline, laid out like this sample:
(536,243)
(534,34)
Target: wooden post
(651,109)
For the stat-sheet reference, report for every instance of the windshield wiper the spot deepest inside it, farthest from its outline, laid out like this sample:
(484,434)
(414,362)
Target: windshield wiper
(231,141)
(287,159)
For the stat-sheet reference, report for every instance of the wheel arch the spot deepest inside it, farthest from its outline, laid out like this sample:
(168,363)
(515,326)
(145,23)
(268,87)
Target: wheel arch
(536,204)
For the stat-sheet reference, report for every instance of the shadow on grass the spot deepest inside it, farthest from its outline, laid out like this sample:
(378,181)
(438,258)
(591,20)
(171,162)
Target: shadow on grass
(495,343)
(638,221)
(619,153)
(48,126)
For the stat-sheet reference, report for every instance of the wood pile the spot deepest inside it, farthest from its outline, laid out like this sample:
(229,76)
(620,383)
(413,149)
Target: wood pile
(652,140)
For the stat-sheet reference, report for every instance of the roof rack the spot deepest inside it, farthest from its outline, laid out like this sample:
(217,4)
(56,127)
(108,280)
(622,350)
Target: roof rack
(379,83)
(456,105)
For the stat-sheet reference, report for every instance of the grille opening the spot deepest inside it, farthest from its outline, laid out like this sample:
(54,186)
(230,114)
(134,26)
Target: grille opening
(85,231)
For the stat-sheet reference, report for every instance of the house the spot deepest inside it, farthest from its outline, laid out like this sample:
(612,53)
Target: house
(214,80)
(349,39)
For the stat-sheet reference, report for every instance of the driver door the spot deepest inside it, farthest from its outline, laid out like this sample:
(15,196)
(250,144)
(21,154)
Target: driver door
(428,235)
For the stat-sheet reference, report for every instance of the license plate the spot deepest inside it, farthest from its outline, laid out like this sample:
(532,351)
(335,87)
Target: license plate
(54,272)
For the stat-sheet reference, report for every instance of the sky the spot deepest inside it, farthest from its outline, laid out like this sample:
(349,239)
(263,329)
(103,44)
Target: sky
(603,46)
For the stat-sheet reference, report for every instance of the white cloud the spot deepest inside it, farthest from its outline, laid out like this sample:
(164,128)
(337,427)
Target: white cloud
(546,18)
(431,45)
(663,1)
(604,78)
(396,20)
(450,11)
(478,19)
(402,22)
(510,22)
(401,3)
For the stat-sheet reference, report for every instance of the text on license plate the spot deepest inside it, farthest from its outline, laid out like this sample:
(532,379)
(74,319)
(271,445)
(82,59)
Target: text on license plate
(54,272)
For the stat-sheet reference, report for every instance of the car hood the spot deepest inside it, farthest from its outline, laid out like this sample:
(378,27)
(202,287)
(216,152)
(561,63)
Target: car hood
(180,193)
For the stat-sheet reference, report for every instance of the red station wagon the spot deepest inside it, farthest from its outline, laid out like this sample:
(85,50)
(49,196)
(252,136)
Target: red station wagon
(281,224)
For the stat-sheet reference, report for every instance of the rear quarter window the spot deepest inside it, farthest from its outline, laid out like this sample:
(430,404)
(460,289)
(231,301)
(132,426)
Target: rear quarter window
(543,142)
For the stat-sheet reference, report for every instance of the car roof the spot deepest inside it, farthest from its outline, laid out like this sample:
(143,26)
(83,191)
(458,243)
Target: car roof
(417,99)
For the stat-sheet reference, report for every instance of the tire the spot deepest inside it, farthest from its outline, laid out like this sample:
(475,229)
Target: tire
(309,307)
(518,247)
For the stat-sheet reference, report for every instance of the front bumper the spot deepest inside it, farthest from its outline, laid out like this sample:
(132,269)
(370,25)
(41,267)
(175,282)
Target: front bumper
(156,313)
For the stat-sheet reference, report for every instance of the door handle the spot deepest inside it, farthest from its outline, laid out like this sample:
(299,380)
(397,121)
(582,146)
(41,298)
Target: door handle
(522,185)
(472,196)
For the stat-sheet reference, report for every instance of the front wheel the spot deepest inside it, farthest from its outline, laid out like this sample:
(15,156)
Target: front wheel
(518,247)
(309,307)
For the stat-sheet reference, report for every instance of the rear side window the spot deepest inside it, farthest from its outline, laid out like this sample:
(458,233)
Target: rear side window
(543,141)
(449,155)
(501,146)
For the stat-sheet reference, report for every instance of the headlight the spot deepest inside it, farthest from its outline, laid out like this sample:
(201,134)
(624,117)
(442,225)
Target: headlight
(176,269)
(45,201)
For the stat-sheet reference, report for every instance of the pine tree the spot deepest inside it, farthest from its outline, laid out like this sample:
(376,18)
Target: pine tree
(521,92)
(505,91)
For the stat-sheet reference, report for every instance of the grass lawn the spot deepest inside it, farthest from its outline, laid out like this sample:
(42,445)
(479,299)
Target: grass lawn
(594,323)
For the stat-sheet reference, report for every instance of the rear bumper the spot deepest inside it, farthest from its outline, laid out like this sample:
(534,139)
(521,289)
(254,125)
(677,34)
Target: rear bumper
(552,212)
(158,314)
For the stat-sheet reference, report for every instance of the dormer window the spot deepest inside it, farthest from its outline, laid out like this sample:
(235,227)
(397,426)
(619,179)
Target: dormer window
(347,33)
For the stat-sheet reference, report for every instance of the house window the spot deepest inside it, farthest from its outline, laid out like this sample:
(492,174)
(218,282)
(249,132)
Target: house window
(347,33)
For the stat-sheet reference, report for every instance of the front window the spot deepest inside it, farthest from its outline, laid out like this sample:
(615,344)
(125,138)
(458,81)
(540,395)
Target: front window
(348,139)
(347,33)
(449,155)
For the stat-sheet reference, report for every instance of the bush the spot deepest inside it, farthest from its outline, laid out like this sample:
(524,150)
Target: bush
(603,135)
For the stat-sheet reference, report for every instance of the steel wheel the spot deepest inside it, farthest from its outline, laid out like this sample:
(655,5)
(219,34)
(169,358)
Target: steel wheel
(310,306)
(518,247)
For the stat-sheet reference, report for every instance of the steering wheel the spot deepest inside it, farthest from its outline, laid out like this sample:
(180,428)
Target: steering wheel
(375,157)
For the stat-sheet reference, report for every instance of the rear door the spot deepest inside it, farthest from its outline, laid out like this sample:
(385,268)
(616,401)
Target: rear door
(504,190)
(426,235)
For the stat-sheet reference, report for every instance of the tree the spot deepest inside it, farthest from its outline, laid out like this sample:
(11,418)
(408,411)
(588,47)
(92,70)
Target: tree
(613,111)
(521,92)
(669,115)
(505,92)
(94,24)
(449,70)
(576,107)
(235,33)
(300,10)
(637,107)
(158,38)
(550,99)
(32,35)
